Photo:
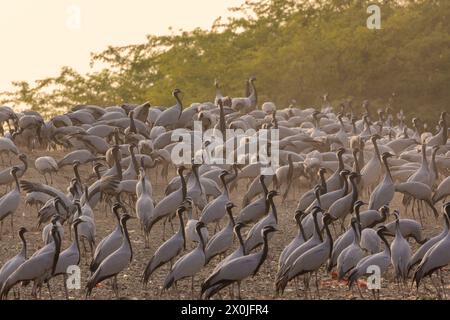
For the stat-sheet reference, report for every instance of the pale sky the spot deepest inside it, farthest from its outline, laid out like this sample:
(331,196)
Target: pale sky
(38,37)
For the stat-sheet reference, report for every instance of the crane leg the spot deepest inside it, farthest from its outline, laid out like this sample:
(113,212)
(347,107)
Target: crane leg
(164,229)
(91,247)
(420,213)
(239,290)
(49,291)
(298,288)
(84,247)
(65,286)
(104,205)
(113,285)
(34,291)
(12,225)
(359,290)
(438,291)
(334,228)
(442,283)
(343,225)
(374,294)
(217,226)
(306,285)
(317,285)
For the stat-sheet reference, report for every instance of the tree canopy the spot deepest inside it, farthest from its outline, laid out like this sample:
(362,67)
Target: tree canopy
(297,49)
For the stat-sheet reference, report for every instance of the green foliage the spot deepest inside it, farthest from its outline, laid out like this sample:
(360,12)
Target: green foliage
(296,49)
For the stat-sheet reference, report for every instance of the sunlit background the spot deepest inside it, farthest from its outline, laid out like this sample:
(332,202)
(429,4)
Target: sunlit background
(397,54)
(37,38)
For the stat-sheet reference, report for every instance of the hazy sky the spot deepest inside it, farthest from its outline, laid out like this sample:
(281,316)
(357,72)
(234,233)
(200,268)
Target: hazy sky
(38,37)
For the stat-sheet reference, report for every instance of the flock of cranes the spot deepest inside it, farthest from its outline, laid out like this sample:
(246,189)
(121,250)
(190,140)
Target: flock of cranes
(343,167)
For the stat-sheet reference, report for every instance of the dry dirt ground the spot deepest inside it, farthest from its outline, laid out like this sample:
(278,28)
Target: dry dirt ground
(259,287)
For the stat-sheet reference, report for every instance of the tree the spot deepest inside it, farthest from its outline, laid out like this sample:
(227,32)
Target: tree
(296,49)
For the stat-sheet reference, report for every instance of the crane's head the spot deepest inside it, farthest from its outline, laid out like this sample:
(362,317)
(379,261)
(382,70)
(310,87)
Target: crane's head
(327,218)
(266,230)
(344,173)
(354,175)
(366,104)
(230,205)
(396,214)
(340,152)
(132,146)
(124,218)
(116,206)
(23,157)
(375,137)
(55,219)
(223,173)
(238,226)
(14,170)
(76,222)
(188,203)
(315,210)
(98,165)
(22,230)
(387,155)
(261,178)
(180,210)
(57,200)
(358,204)
(318,189)
(176,92)
(76,163)
(199,226)
(299,214)
(272,194)
(115,148)
(446,207)
(382,230)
